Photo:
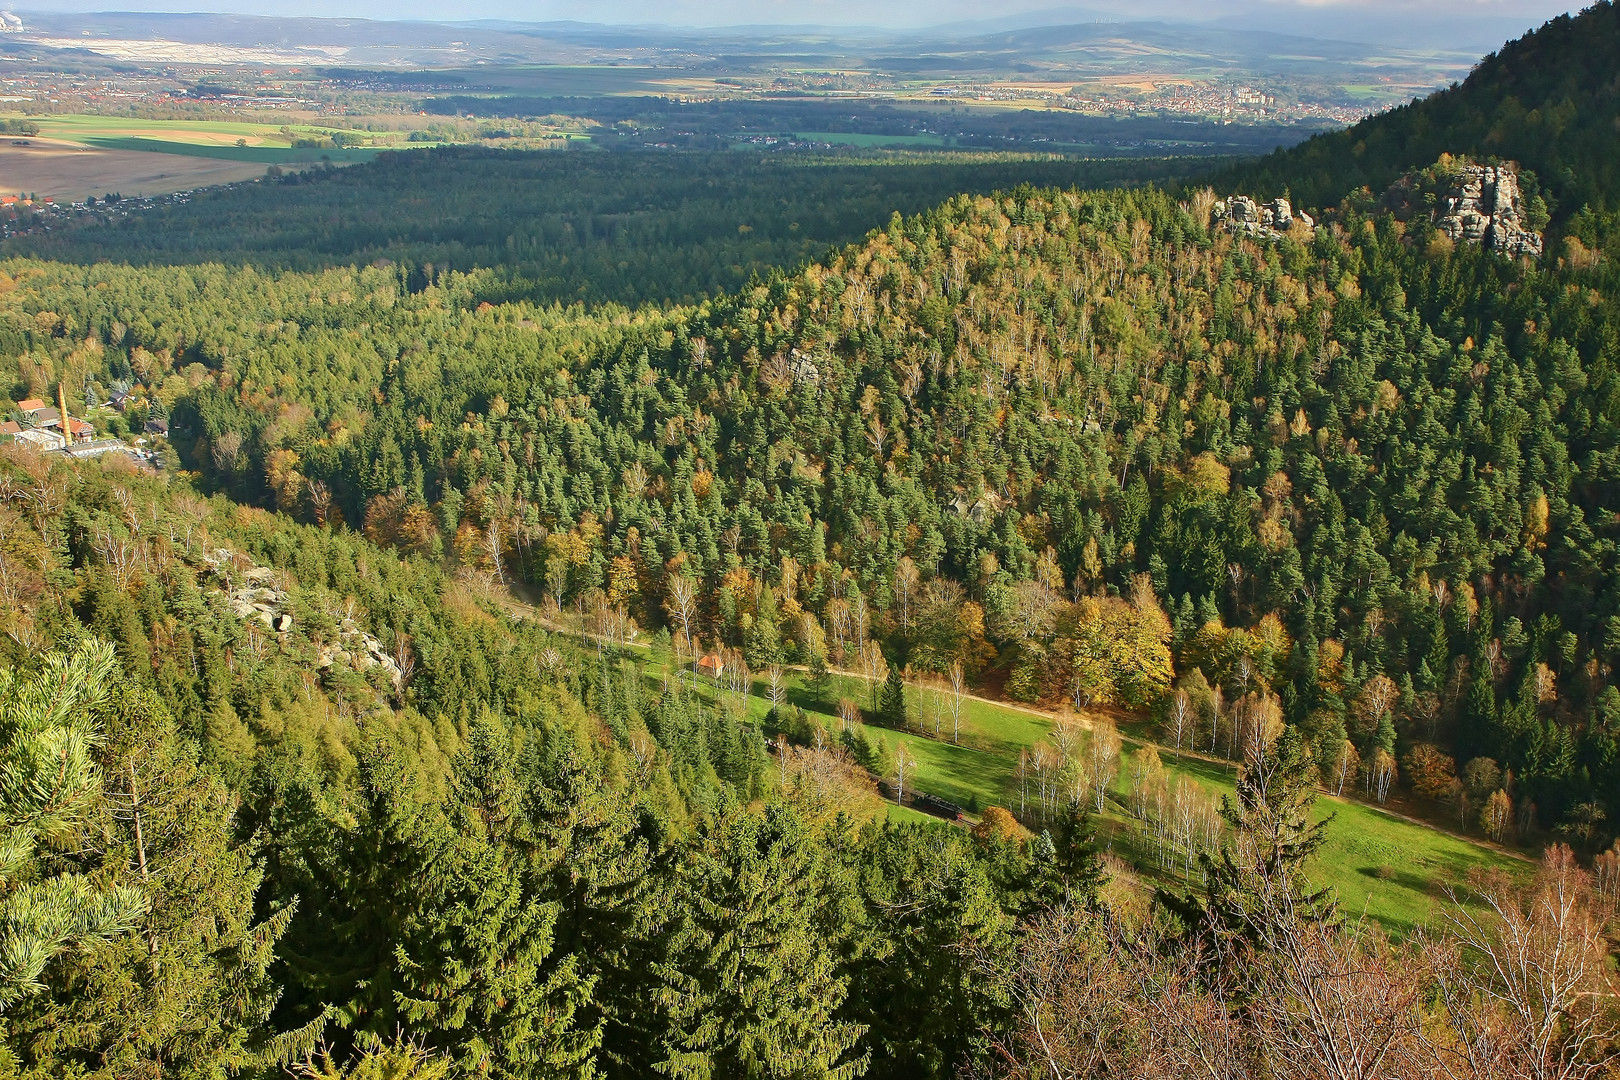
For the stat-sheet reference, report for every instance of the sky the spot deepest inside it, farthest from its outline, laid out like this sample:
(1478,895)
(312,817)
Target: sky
(886,13)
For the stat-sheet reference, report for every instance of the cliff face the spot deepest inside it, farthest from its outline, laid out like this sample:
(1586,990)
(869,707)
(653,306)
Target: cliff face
(1474,204)
(1485,206)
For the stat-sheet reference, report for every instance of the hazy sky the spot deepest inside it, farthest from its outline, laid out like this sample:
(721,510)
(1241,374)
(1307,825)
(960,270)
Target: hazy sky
(895,13)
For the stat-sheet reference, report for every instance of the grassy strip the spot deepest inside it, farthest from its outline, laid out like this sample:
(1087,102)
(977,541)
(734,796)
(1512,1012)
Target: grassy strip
(1392,869)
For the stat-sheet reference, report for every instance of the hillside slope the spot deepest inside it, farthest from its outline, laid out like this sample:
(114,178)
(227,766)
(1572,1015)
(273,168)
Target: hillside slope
(1342,460)
(1548,100)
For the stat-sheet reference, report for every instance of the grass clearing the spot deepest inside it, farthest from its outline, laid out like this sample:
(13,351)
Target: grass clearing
(1386,867)
(1378,864)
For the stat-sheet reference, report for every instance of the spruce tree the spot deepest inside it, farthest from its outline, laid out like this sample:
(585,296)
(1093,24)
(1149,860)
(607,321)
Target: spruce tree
(751,985)
(596,854)
(938,927)
(191,985)
(1072,873)
(1259,874)
(429,929)
(820,680)
(763,646)
(892,702)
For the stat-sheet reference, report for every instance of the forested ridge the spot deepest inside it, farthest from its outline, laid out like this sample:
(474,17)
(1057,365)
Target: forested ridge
(365,739)
(628,228)
(1548,101)
(1345,456)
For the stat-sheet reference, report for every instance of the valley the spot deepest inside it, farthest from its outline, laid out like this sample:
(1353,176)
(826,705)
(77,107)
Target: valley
(999,551)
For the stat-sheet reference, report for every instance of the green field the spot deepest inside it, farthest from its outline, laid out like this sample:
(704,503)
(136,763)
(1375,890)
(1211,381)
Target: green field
(264,144)
(1393,870)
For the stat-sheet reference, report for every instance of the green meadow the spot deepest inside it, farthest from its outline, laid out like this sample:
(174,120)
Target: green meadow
(1386,867)
(265,144)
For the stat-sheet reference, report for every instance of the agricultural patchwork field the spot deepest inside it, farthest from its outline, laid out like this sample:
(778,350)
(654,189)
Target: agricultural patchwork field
(70,172)
(73,156)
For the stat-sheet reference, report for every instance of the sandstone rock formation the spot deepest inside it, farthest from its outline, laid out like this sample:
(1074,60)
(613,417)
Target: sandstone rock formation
(258,599)
(1469,203)
(1242,215)
(1486,206)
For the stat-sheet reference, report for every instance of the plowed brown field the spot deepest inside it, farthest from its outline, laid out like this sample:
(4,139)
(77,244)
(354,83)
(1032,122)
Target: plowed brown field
(68,172)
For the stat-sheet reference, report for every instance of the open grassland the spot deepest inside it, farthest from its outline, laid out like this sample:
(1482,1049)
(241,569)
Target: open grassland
(1386,867)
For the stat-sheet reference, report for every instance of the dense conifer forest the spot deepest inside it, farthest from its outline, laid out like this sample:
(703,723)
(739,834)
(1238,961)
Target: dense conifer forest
(401,724)
(566,226)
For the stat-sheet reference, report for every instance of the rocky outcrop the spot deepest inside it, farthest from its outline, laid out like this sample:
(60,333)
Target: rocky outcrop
(1269,220)
(804,369)
(1485,206)
(258,599)
(1470,204)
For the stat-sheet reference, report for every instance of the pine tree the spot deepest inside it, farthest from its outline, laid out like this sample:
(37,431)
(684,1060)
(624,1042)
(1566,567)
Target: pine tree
(892,703)
(50,785)
(1258,875)
(751,985)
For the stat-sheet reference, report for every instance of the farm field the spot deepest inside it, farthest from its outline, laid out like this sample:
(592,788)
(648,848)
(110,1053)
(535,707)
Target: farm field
(74,156)
(1386,867)
(578,80)
(68,172)
(231,140)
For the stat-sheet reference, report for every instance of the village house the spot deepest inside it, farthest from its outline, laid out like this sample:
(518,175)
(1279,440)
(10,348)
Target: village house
(80,431)
(710,665)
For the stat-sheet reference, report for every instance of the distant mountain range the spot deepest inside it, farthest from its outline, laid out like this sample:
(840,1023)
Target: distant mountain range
(1071,41)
